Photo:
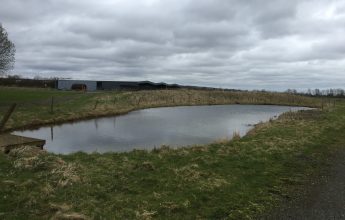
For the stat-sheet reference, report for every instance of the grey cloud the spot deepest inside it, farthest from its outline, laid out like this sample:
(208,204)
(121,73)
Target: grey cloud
(113,31)
(331,50)
(275,21)
(222,43)
(212,35)
(210,11)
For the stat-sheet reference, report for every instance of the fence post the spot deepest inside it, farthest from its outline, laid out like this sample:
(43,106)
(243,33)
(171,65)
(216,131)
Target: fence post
(139,99)
(52,105)
(7,116)
(95,105)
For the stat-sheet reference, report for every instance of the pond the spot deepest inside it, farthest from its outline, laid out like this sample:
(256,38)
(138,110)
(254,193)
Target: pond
(149,128)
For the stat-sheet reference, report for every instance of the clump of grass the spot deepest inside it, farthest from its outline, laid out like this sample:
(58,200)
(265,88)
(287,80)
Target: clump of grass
(163,150)
(63,212)
(67,173)
(213,183)
(236,135)
(145,214)
(69,216)
(189,173)
(222,141)
(26,151)
(33,158)
(146,165)
(27,157)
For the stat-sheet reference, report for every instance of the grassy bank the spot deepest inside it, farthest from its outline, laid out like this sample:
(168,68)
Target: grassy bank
(238,179)
(35,105)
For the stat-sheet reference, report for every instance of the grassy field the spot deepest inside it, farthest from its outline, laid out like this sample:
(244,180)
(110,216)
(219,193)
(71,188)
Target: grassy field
(238,179)
(34,105)
(9,95)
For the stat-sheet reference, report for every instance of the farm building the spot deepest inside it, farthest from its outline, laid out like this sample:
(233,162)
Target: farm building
(76,85)
(88,85)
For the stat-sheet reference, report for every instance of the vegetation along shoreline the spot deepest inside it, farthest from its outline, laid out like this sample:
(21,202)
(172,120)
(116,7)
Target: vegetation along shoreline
(57,107)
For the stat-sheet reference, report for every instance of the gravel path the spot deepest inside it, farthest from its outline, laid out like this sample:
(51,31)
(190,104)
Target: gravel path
(324,199)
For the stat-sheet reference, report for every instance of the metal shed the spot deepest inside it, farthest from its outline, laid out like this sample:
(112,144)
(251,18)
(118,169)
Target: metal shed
(116,85)
(68,84)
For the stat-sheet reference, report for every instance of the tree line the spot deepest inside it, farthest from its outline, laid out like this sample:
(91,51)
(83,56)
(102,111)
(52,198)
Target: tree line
(319,92)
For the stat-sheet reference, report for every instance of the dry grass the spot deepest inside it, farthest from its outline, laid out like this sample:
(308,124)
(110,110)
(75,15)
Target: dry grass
(26,151)
(69,216)
(189,173)
(31,158)
(236,135)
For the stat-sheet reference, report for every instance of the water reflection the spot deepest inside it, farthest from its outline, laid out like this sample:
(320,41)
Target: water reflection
(96,123)
(52,133)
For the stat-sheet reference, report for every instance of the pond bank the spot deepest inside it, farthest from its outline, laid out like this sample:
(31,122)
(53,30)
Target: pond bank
(72,106)
(238,179)
(152,128)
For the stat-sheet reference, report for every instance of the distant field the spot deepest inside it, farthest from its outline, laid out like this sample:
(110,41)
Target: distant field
(17,94)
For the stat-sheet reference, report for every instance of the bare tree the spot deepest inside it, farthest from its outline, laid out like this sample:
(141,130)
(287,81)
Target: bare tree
(7,52)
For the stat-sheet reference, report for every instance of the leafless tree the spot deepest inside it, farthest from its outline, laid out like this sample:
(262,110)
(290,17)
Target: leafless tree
(7,52)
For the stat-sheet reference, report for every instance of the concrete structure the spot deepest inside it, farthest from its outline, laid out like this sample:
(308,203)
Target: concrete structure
(10,141)
(67,84)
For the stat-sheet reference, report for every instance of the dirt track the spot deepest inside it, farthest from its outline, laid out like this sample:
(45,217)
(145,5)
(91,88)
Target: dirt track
(324,199)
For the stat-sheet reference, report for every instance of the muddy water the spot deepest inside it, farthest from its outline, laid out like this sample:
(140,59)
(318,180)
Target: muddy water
(149,128)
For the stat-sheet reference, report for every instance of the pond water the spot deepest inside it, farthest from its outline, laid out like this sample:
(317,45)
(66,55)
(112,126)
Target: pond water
(149,128)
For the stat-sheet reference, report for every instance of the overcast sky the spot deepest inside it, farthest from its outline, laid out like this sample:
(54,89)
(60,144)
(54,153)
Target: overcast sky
(247,44)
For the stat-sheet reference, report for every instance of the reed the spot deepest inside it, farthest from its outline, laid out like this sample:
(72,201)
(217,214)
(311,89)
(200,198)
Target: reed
(236,135)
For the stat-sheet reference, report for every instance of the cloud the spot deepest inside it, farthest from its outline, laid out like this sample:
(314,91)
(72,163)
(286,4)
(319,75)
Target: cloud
(222,43)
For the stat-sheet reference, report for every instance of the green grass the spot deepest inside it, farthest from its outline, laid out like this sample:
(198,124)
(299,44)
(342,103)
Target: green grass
(18,95)
(238,179)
